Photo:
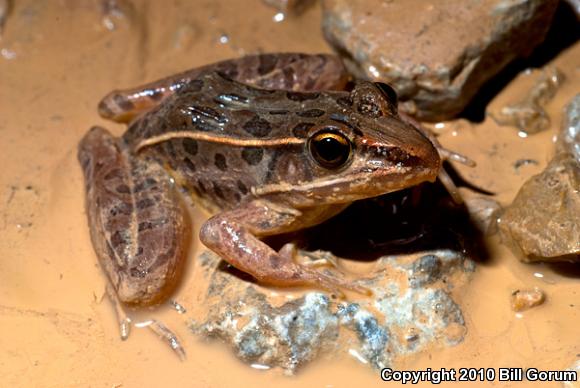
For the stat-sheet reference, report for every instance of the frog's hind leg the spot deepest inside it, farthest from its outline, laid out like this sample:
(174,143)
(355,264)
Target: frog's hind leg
(290,71)
(138,227)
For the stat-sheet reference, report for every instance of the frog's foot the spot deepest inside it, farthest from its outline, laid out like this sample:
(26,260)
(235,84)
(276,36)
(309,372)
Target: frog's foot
(165,334)
(154,325)
(315,259)
(234,236)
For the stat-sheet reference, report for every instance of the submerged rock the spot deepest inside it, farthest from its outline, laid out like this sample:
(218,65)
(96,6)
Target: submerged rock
(436,57)
(522,300)
(411,309)
(542,223)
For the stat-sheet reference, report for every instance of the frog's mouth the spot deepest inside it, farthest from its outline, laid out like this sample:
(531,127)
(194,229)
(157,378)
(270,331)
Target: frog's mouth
(365,183)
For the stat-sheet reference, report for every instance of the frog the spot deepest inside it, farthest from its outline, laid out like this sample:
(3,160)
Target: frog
(268,144)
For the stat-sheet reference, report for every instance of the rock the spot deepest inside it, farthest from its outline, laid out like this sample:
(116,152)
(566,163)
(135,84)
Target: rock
(529,115)
(411,310)
(569,137)
(542,223)
(436,57)
(522,300)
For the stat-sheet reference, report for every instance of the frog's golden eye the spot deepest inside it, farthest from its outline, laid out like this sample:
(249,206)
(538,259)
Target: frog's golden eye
(330,149)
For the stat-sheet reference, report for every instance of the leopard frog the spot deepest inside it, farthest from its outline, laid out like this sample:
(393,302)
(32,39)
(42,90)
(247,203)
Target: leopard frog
(266,143)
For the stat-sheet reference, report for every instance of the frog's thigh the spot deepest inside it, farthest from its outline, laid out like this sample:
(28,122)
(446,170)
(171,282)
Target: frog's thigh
(138,226)
(232,235)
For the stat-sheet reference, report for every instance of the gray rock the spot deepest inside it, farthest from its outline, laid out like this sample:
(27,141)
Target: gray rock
(436,57)
(411,309)
(569,137)
(542,223)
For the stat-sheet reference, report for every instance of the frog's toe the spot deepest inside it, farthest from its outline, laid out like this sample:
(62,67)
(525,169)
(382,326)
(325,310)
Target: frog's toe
(335,284)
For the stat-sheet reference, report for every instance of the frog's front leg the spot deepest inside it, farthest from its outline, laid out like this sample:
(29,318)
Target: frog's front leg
(234,235)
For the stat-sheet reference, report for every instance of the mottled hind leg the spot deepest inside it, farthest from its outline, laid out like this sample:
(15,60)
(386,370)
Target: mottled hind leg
(234,235)
(289,71)
(139,229)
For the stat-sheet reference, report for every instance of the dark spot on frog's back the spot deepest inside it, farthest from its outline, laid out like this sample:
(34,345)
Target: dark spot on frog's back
(220,162)
(189,146)
(195,85)
(218,191)
(189,164)
(252,155)
(301,129)
(117,239)
(257,126)
(279,112)
(302,96)
(311,113)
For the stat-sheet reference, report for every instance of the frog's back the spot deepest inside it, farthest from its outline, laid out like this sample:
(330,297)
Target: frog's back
(221,137)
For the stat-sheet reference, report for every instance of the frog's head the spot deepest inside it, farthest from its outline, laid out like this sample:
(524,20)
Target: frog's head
(364,149)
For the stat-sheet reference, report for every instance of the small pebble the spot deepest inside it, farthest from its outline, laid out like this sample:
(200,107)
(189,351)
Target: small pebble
(522,300)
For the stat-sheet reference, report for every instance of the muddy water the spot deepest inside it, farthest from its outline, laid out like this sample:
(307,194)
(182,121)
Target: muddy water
(58,58)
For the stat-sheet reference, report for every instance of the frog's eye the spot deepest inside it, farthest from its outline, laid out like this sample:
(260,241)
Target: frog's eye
(330,149)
